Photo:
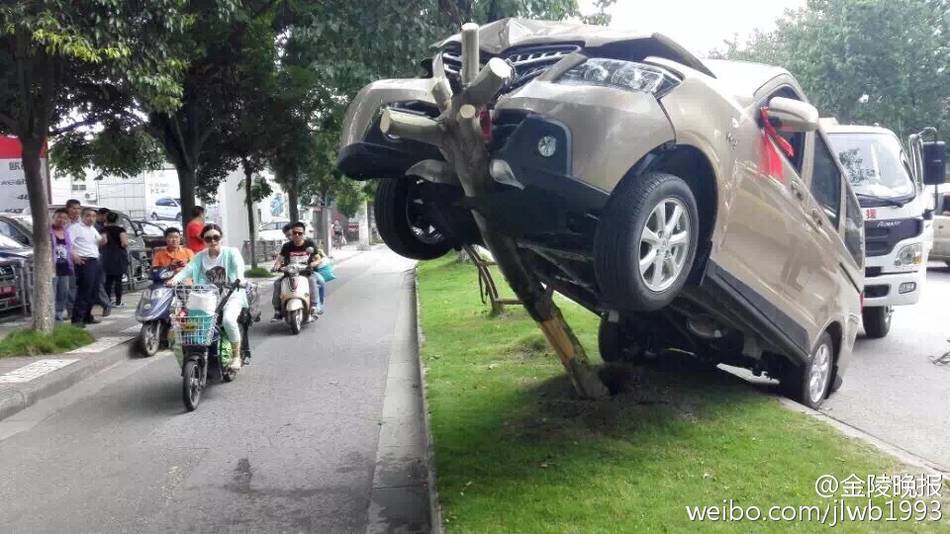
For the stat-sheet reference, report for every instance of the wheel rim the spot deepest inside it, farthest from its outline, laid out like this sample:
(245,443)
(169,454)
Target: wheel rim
(420,227)
(820,373)
(298,319)
(194,385)
(664,244)
(151,339)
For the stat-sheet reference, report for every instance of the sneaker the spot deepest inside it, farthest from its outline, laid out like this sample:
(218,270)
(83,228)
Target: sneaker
(118,305)
(313,313)
(106,311)
(92,320)
(277,317)
(319,309)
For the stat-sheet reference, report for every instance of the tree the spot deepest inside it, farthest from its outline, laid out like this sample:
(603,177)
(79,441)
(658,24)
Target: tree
(865,61)
(61,64)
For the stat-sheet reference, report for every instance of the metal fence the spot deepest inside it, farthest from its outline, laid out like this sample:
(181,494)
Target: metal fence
(263,250)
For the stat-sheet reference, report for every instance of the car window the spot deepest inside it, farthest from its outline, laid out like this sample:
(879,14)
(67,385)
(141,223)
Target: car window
(826,181)
(854,229)
(796,139)
(8,230)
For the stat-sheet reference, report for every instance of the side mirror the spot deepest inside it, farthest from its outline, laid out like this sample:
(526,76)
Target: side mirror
(788,115)
(935,162)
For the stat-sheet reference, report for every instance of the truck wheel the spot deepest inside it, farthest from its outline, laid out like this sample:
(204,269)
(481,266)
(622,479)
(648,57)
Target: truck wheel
(646,241)
(810,383)
(877,321)
(403,223)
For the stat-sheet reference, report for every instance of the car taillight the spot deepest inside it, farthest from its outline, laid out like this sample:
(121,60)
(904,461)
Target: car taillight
(484,120)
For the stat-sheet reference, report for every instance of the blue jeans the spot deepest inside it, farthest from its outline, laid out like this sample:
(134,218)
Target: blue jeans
(62,285)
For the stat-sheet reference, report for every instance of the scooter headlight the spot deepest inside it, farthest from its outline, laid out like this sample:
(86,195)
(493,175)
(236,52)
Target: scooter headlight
(910,255)
(620,74)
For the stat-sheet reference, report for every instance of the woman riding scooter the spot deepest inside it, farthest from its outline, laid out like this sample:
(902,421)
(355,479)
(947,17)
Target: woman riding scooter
(228,258)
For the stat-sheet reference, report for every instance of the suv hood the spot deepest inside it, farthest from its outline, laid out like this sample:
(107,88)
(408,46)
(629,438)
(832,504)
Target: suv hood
(503,34)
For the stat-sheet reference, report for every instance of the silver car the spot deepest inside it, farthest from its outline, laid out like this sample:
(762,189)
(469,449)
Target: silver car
(695,205)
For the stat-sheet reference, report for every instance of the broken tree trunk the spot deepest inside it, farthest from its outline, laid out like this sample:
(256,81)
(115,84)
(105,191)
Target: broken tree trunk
(457,132)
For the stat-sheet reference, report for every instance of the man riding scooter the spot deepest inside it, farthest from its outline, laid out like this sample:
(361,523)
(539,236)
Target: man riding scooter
(155,304)
(303,252)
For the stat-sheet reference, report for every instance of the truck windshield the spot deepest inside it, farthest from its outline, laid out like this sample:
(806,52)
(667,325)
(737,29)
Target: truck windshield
(873,164)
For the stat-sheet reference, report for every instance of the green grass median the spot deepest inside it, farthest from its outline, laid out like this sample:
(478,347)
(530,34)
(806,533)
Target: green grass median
(28,342)
(516,451)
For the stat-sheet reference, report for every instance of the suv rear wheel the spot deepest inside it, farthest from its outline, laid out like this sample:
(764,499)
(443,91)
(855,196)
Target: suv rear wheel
(646,241)
(810,383)
(615,344)
(404,223)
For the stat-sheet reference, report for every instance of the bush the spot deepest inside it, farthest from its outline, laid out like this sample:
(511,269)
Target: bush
(28,342)
(257,272)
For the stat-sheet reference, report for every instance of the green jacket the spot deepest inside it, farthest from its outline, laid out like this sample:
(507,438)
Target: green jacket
(233,265)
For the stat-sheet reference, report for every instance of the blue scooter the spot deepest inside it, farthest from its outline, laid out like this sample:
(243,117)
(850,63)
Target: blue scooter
(154,312)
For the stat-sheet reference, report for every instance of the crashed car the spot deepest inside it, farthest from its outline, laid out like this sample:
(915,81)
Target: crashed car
(693,204)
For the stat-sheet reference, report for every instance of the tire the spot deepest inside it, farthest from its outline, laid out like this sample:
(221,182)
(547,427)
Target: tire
(615,346)
(178,217)
(191,385)
(622,241)
(154,216)
(877,321)
(797,382)
(150,338)
(397,217)
(295,320)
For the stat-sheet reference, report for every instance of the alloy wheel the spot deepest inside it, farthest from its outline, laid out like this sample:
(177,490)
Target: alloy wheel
(664,244)
(820,373)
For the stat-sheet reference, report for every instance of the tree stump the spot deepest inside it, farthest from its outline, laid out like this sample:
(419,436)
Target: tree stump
(457,133)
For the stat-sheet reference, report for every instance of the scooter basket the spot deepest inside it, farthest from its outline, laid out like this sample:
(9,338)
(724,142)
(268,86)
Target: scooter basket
(194,330)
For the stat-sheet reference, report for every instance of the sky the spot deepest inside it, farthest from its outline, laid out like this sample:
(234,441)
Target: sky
(700,25)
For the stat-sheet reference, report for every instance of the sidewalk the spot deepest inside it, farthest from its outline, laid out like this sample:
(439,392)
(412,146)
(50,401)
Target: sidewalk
(25,380)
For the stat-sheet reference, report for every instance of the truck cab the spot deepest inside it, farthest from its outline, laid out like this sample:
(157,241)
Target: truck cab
(898,232)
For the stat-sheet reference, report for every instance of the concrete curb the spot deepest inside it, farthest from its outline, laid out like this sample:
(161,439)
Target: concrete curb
(902,455)
(16,398)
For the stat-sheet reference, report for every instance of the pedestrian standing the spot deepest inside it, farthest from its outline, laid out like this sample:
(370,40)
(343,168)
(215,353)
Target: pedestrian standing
(73,211)
(115,257)
(63,280)
(101,215)
(193,230)
(102,296)
(85,243)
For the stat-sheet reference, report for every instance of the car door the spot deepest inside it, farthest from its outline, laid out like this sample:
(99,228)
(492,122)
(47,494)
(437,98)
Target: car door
(766,229)
(822,212)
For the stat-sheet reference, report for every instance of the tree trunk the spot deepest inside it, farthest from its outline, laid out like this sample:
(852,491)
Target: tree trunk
(293,198)
(187,182)
(249,203)
(42,247)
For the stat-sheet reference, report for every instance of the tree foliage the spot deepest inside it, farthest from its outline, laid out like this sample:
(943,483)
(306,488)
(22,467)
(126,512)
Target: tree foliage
(865,61)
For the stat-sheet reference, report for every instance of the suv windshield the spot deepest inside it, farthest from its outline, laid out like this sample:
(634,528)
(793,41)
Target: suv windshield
(874,165)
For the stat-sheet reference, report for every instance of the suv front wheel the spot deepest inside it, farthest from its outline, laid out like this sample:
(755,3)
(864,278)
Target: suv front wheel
(404,222)
(646,241)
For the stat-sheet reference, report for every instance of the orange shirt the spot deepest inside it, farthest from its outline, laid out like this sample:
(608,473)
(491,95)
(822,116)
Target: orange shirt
(193,236)
(161,257)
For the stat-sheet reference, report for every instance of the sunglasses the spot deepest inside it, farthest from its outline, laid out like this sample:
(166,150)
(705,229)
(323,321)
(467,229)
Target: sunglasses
(214,238)
(297,233)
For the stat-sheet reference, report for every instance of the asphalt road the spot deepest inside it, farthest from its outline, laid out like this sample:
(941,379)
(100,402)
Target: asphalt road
(892,389)
(290,446)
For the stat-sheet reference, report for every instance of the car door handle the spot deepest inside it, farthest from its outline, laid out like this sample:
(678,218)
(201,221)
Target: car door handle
(796,190)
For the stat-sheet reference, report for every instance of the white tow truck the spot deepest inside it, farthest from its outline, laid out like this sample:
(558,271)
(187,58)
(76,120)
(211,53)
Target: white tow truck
(898,224)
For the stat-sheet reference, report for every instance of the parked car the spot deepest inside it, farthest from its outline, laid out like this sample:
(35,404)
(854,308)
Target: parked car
(152,234)
(16,264)
(166,208)
(695,205)
(271,231)
(20,228)
(897,223)
(941,244)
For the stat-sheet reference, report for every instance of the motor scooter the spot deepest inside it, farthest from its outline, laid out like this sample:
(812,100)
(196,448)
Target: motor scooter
(153,311)
(295,296)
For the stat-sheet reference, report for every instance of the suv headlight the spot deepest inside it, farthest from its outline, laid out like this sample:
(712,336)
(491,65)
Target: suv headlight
(910,255)
(620,74)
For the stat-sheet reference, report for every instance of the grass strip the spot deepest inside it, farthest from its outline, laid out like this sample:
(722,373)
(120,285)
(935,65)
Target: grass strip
(28,342)
(516,451)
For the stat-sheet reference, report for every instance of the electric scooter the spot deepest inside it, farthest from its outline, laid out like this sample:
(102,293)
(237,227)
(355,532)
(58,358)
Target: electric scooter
(153,311)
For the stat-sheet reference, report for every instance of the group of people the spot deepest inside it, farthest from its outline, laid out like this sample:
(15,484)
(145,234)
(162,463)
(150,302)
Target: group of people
(90,251)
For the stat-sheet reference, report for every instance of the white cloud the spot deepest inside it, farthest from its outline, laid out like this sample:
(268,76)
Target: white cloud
(699,25)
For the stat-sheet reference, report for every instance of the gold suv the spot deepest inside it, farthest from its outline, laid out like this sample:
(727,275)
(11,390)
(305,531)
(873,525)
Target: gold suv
(694,205)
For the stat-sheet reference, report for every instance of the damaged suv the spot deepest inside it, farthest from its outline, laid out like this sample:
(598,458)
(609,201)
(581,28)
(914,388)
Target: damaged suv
(693,204)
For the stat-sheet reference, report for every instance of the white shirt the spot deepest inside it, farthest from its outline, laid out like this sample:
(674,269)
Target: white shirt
(208,263)
(85,240)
